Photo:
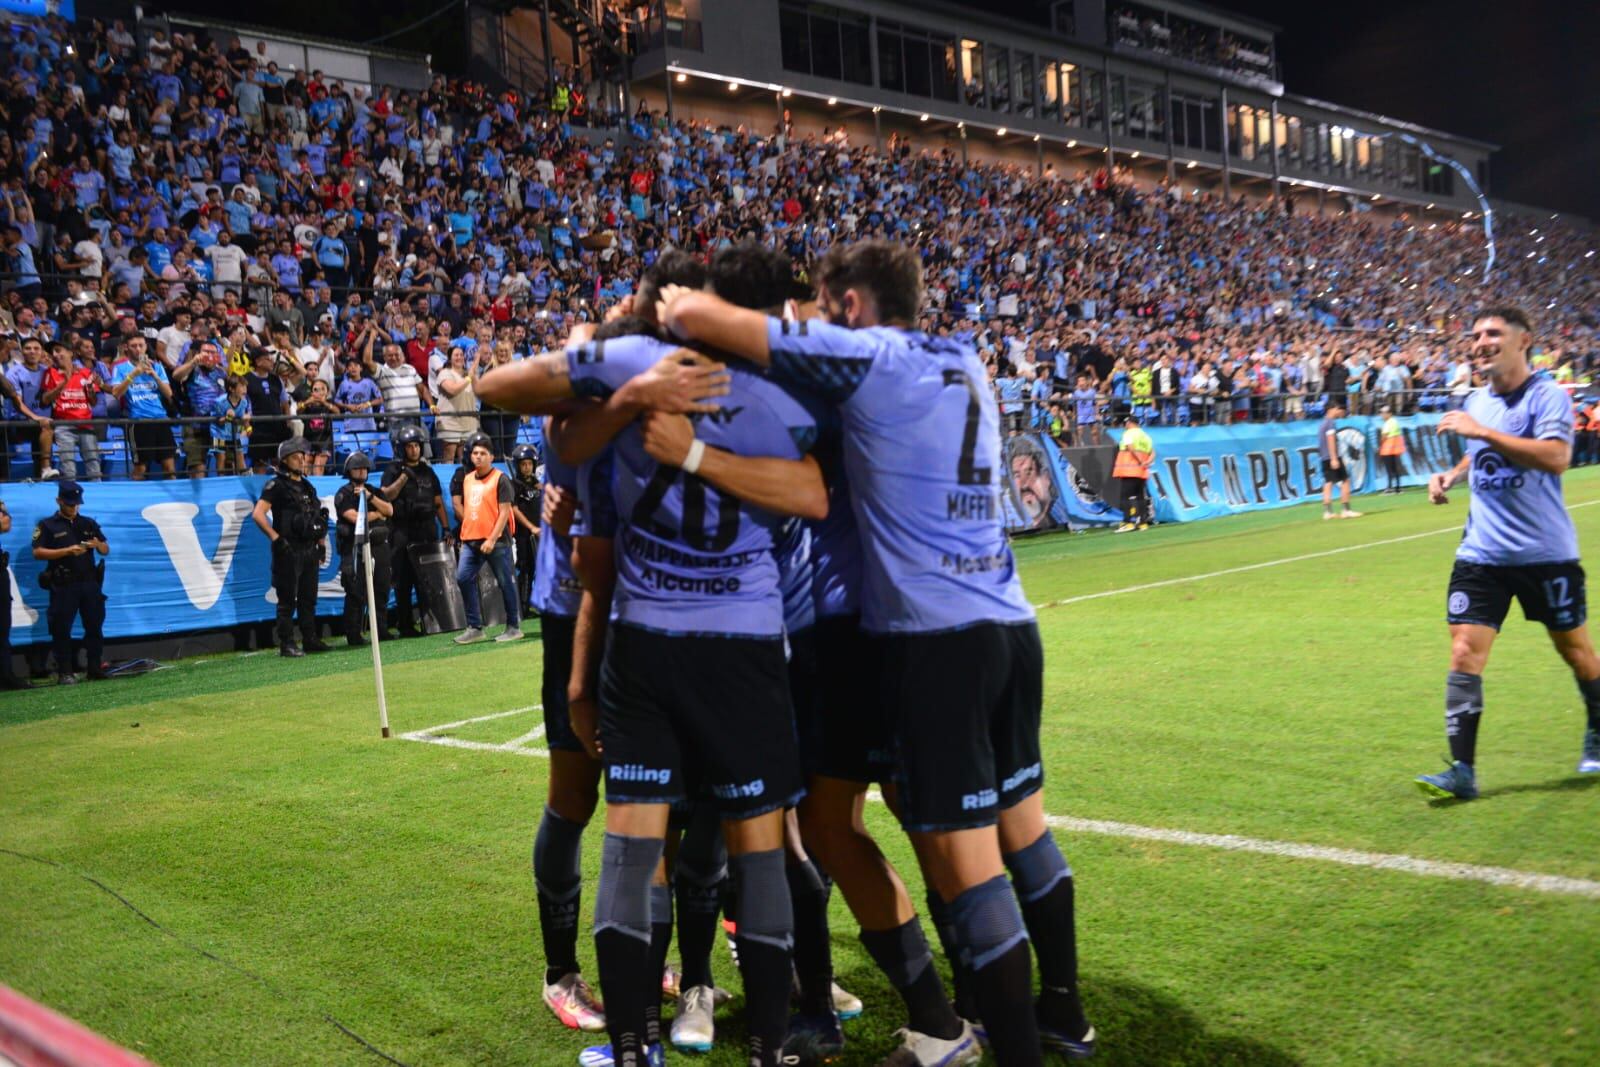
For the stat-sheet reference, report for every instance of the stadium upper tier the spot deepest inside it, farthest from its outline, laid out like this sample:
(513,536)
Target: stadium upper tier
(127,160)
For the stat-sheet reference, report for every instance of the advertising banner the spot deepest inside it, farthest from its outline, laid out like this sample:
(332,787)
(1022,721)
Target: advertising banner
(184,555)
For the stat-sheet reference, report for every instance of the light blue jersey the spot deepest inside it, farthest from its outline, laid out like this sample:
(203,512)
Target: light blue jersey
(689,559)
(1517,515)
(556,590)
(922,456)
(597,504)
(835,540)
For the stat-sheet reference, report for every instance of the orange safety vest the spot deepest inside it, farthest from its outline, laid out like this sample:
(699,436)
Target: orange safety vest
(480,506)
(1132,463)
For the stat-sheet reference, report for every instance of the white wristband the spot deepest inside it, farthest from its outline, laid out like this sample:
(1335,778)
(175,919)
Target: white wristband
(697,452)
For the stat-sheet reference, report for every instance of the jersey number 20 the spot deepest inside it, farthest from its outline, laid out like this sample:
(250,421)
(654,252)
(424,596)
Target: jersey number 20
(647,514)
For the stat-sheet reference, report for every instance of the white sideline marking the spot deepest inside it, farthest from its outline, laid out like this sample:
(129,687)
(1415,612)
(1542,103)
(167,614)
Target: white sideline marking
(1268,563)
(1383,861)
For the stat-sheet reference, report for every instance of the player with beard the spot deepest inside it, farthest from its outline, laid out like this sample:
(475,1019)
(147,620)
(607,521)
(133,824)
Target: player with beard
(1519,542)
(694,676)
(962,663)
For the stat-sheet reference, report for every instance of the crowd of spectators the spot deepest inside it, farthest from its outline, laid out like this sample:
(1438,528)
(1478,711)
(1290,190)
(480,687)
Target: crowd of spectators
(192,233)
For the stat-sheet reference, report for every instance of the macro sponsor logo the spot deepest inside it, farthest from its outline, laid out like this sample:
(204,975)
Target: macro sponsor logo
(1493,473)
(718,417)
(983,798)
(638,772)
(1031,771)
(739,790)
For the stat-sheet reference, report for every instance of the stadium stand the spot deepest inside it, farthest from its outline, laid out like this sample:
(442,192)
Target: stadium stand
(157,173)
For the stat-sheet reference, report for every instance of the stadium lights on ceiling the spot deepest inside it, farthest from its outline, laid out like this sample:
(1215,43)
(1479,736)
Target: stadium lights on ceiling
(876,110)
(924,116)
(1035,137)
(1136,155)
(1191,165)
(788,92)
(1072,144)
(1374,196)
(832,100)
(733,87)
(1001,132)
(682,77)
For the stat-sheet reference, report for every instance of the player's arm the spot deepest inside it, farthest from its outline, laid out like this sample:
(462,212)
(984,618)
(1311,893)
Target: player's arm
(532,386)
(1551,453)
(783,486)
(701,316)
(681,381)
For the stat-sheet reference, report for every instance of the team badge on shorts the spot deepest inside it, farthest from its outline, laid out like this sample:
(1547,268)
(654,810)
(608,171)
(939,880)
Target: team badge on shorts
(1459,602)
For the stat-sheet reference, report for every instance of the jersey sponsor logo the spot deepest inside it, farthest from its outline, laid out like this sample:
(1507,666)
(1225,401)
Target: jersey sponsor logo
(719,417)
(638,772)
(1492,473)
(678,583)
(1033,770)
(739,790)
(1459,602)
(959,564)
(983,798)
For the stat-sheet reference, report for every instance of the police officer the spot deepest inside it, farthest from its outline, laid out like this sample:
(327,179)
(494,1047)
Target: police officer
(347,505)
(67,541)
(413,488)
(296,530)
(8,680)
(526,499)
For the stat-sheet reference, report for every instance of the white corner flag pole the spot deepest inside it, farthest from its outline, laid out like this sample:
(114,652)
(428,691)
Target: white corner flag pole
(377,655)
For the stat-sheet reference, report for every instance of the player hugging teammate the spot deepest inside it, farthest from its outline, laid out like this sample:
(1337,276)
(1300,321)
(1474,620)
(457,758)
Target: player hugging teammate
(929,667)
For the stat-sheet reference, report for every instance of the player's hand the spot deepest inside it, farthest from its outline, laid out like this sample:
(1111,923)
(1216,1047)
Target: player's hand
(559,508)
(667,437)
(584,715)
(1459,422)
(620,309)
(1437,486)
(679,383)
(582,333)
(668,298)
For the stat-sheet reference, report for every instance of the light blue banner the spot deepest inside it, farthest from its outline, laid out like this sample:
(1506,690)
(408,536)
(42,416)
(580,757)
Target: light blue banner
(184,555)
(1045,492)
(1202,472)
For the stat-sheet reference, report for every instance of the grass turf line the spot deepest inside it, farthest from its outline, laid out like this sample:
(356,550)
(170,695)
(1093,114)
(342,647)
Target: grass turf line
(255,811)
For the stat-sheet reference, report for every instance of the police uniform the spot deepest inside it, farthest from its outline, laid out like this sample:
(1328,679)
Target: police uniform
(414,523)
(526,498)
(74,583)
(352,574)
(296,556)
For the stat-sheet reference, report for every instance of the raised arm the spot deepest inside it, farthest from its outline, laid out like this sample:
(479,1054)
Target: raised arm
(529,387)
(783,486)
(700,316)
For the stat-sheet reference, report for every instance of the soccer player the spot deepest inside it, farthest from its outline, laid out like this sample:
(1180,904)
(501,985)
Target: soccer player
(1334,469)
(1519,542)
(694,668)
(961,658)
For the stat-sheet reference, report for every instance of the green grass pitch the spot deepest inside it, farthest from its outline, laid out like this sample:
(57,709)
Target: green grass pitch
(247,805)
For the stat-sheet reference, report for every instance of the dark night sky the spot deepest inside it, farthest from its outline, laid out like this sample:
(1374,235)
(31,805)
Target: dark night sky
(1520,75)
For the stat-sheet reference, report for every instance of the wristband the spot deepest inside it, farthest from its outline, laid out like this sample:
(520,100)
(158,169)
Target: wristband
(697,452)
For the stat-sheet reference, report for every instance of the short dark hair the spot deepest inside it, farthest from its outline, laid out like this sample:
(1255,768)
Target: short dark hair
(891,272)
(750,275)
(673,268)
(1507,313)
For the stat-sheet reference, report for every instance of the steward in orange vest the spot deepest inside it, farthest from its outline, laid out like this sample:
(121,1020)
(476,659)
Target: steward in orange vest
(488,523)
(1135,455)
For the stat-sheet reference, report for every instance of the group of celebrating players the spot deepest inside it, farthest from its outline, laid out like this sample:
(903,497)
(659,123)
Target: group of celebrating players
(773,573)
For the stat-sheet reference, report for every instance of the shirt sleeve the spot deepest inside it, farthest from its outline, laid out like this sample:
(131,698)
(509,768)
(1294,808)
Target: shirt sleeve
(1552,416)
(600,368)
(830,360)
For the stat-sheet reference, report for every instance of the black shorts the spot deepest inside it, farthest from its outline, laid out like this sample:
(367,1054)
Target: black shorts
(555,637)
(966,709)
(843,726)
(1550,593)
(682,712)
(152,442)
(1333,475)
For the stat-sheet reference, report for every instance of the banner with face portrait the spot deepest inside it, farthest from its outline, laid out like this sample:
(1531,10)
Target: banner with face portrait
(1046,490)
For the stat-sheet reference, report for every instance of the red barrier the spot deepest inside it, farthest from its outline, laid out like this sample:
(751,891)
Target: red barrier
(32,1035)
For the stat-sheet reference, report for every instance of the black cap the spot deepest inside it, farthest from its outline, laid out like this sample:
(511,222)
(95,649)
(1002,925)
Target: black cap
(69,493)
